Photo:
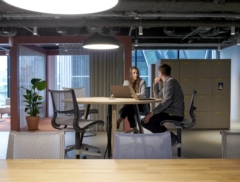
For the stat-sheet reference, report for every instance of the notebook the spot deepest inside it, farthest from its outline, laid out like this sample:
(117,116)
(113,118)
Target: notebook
(120,91)
(135,95)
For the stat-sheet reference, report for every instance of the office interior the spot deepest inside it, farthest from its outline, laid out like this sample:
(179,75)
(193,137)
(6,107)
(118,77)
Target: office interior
(20,45)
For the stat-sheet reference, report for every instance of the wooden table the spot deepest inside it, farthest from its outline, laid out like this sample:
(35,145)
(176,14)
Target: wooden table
(113,113)
(100,170)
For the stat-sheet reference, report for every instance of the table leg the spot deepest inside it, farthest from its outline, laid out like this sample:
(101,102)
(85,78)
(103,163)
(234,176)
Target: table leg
(87,111)
(137,116)
(109,131)
(114,125)
(78,139)
(77,144)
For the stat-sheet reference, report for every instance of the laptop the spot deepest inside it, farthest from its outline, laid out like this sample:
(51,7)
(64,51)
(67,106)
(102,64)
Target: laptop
(120,91)
(135,95)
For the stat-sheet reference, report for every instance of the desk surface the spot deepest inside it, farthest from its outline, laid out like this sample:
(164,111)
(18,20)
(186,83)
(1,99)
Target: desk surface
(212,170)
(107,100)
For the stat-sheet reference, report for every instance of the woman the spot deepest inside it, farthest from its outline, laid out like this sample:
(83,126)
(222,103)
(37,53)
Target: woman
(139,87)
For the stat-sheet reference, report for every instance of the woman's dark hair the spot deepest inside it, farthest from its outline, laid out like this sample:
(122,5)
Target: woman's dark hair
(165,69)
(136,83)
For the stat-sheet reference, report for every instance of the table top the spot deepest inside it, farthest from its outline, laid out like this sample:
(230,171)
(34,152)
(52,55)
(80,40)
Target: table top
(187,170)
(109,100)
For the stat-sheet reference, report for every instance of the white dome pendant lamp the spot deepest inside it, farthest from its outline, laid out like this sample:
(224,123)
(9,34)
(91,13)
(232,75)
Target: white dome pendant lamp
(100,42)
(69,7)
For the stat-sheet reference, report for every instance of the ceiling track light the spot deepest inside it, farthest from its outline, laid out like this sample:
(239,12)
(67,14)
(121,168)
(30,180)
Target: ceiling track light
(34,30)
(100,42)
(219,48)
(232,30)
(140,30)
(136,42)
(238,41)
(133,48)
(70,7)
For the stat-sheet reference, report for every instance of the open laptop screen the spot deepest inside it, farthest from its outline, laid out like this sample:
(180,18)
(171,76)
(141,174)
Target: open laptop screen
(120,91)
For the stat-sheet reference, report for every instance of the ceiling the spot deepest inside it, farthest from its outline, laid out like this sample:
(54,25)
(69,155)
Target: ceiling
(167,24)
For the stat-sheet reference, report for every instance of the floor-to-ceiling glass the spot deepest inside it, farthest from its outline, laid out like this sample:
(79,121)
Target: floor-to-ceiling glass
(4,92)
(142,59)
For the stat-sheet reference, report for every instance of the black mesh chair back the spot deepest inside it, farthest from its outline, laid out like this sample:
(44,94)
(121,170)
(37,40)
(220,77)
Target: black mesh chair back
(66,117)
(190,123)
(65,109)
(184,124)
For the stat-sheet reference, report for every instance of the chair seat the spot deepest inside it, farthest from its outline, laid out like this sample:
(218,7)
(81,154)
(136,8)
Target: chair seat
(83,123)
(177,123)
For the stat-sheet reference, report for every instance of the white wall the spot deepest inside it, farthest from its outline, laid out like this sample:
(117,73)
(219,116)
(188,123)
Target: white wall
(233,53)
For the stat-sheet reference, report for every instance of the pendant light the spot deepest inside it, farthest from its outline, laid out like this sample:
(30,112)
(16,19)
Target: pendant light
(69,7)
(97,41)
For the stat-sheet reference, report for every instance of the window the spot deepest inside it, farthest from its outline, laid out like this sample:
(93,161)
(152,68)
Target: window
(3,79)
(72,72)
(142,59)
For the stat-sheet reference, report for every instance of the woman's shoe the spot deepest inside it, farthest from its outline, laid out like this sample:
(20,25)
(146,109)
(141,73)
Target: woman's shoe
(136,132)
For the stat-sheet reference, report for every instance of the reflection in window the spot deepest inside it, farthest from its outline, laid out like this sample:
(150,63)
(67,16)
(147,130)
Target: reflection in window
(142,59)
(195,54)
(3,80)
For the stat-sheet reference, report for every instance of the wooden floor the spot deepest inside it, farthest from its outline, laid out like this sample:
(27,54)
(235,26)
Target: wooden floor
(44,125)
(5,123)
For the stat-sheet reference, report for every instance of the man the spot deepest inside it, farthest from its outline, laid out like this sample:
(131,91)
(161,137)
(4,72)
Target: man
(171,106)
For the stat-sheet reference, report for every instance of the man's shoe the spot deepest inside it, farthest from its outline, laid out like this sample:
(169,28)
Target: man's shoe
(173,138)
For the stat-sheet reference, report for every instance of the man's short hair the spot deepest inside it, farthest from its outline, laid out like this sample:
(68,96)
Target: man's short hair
(165,69)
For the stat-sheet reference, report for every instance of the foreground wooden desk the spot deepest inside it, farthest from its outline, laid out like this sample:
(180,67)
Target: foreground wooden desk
(113,113)
(187,170)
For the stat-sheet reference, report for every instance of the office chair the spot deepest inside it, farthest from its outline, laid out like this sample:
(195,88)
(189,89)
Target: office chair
(35,145)
(80,92)
(69,119)
(230,144)
(184,124)
(142,146)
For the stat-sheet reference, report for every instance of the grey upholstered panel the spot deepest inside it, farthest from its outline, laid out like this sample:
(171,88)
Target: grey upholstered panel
(142,146)
(36,145)
(230,144)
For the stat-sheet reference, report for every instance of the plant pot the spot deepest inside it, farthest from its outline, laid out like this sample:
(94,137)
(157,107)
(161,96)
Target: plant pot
(32,122)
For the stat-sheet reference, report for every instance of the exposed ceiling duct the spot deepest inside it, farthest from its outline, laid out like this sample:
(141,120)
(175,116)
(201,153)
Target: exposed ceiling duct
(47,23)
(8,31)
(65,31)
(205,23)
(108,31)
(219,2)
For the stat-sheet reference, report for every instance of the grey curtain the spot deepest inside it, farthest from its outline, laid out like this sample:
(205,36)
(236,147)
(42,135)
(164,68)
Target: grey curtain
(106,69)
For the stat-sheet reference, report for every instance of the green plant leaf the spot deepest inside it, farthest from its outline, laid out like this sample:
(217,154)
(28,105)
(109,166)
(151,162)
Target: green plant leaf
(35,98)
(35,80)
(41,85)
(37,103)
(32,97)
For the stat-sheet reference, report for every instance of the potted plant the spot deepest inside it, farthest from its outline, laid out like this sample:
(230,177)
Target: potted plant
(33,102)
